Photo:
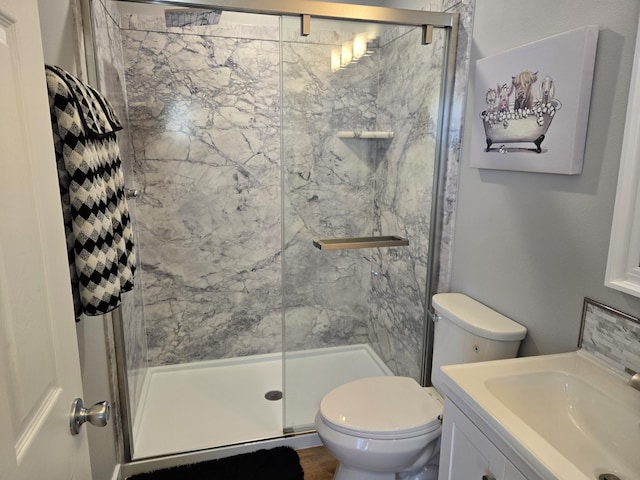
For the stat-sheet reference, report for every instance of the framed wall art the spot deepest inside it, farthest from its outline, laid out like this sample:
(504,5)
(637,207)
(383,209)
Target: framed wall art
(531,105)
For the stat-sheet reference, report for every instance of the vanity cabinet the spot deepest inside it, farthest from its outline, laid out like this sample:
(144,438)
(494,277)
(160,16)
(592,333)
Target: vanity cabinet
(466,453)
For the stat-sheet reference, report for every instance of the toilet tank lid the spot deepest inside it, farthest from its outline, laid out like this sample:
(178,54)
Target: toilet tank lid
(477,318)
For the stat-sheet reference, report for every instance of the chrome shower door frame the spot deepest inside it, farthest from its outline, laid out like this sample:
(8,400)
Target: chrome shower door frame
(307,8)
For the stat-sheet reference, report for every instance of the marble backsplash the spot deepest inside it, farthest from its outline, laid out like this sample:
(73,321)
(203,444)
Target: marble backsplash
(611,335)
(222,258)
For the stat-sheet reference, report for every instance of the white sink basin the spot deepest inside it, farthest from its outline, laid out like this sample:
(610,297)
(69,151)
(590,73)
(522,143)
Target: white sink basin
(570,415)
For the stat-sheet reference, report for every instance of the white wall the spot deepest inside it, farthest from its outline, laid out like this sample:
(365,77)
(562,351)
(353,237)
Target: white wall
(532,246)
(60,47)
(94,365)
(56,24)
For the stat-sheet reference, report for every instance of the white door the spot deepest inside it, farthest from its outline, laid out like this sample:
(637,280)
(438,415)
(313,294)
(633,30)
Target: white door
(39,364)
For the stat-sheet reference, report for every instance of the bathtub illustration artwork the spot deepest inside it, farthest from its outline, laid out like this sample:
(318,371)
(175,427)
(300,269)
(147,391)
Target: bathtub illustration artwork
(525,120)
(531,104)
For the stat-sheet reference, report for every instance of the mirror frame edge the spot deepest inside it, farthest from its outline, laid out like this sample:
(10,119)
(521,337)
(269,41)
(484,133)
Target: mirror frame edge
(623,261)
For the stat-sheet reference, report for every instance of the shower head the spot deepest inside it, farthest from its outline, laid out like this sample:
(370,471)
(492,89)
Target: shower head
(187,17)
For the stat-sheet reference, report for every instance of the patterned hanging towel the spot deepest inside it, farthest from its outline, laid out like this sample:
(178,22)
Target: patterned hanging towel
(96,216)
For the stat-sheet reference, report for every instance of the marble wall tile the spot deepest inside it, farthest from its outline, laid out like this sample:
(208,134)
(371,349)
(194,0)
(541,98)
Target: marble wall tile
(205,112)
(233,30)
(205,115)
(450,171)
(397,296)
(448,199)
(110,8)
(333,32)
(408,100)
(328,191)
(612,336)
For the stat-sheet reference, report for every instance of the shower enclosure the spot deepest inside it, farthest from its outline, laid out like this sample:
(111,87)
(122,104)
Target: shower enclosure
(283,160)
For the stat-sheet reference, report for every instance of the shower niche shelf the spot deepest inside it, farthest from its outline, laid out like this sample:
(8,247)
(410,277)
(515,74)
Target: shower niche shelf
(360,242)
(376,135)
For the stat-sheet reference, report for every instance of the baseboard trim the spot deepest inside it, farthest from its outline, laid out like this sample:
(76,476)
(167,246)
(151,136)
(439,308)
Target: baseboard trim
(116,473)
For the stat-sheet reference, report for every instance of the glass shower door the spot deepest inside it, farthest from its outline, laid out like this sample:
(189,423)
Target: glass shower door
(360,111)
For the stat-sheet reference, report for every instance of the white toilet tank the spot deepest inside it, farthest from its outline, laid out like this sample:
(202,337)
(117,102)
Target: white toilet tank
(467,331)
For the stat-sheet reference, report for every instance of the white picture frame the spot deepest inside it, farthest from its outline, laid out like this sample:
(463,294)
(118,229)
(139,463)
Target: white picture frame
(531,105)
(623,261)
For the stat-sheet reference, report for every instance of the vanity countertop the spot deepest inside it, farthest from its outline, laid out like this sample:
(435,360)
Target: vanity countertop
(566,416)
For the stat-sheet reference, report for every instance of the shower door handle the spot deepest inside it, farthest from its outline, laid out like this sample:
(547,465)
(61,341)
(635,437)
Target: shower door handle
(97,415)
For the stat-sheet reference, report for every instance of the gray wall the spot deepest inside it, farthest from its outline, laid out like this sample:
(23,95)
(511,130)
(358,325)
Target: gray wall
(532,246)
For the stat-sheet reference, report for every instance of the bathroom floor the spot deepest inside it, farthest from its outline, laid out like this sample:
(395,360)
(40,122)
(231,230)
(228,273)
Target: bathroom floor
(209,404)
(317,463)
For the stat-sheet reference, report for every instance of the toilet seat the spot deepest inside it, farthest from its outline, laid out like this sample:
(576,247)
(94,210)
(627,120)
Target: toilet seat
(381,407)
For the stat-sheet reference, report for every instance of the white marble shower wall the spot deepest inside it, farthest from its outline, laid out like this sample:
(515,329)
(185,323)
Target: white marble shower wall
(338,187)
(328,185)
(205,119)
(204,110)
(408,104)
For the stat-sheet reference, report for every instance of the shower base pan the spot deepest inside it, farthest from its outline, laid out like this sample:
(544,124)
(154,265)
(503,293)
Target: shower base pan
(204,405)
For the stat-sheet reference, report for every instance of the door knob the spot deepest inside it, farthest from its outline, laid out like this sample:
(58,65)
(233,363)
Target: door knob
(97,415)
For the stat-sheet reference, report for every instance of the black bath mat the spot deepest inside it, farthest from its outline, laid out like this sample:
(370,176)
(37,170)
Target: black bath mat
(280,463)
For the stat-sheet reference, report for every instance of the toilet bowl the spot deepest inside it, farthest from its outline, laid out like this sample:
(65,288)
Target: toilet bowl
(388,428)
(379,426)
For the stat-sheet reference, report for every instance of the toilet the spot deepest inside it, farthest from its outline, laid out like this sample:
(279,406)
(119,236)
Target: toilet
(388,427)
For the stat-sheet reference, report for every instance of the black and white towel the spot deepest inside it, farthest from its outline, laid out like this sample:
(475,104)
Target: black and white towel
(96,216)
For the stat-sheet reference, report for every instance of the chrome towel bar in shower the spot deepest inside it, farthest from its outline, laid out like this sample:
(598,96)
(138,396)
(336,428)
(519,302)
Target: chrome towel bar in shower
(360,242)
